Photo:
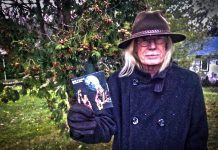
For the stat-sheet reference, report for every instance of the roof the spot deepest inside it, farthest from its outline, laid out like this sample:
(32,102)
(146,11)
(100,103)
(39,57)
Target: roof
(210,47)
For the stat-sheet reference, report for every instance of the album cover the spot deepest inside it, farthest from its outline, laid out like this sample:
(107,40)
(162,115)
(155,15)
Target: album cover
(92,91)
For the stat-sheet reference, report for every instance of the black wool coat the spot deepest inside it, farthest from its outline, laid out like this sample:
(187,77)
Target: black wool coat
(166,112)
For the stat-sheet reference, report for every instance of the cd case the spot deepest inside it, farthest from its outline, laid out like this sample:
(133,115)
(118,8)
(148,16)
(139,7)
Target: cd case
(92,91)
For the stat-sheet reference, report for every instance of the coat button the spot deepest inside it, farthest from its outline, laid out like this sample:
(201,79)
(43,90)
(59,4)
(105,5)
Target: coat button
(135,120)
(161,122)
(135,82)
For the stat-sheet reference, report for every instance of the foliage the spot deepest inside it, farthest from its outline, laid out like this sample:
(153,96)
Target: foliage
(46,63)
(201,14)
(9,32)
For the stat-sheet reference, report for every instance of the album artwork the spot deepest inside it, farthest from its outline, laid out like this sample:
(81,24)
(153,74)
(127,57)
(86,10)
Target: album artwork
(92,91)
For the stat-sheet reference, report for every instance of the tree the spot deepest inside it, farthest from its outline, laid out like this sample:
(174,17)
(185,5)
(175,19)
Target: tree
(201,14)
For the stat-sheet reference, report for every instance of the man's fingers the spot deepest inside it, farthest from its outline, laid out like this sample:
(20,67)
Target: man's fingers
(78,117)
(80,108)
(84,132)
(88,125)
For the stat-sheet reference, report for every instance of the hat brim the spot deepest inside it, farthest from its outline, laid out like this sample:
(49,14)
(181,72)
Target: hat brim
(174,36)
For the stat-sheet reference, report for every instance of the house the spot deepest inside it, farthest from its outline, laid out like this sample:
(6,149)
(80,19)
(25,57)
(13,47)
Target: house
(206,60)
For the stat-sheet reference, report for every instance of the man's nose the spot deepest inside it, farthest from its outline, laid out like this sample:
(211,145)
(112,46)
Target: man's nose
(152,45)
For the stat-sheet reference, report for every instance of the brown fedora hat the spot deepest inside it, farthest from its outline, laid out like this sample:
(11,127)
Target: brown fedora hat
(151,23)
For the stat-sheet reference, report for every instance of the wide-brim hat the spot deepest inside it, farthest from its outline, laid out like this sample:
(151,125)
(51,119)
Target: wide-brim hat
(151,23)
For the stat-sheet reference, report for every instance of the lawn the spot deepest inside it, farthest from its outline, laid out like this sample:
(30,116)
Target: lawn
(26,124)
(211,98)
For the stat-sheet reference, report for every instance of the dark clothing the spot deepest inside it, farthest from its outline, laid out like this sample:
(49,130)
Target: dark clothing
(166,112)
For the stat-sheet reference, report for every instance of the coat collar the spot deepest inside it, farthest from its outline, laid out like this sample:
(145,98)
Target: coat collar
(143,77)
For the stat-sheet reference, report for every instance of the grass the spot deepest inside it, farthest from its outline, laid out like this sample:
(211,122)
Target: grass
(26,124)
(211,99)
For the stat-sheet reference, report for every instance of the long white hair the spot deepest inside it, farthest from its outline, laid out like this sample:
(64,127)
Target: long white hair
(130,59)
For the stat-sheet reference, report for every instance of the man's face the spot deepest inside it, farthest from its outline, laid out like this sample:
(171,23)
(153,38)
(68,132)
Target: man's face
(151,50)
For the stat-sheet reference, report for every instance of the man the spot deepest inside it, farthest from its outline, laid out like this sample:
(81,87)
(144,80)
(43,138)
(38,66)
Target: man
(157,105)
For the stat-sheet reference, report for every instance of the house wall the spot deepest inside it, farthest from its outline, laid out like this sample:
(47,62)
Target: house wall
(211,70)
(213,67)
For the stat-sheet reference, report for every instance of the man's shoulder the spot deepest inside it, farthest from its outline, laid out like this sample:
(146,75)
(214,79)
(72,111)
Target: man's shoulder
(115,74)
(183,73)
(116,79)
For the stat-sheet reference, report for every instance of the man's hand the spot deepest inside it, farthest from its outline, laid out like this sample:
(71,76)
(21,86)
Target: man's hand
(81,120)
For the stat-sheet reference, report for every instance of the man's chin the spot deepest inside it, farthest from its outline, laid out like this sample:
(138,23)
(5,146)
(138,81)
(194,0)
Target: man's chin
(152,63)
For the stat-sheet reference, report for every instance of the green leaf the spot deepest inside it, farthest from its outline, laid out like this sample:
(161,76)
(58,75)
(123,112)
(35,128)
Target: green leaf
(59,47)
(96,54)
(43,93)
(15,95)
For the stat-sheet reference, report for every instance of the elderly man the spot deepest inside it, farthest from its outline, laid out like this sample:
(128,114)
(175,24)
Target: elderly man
(157,104)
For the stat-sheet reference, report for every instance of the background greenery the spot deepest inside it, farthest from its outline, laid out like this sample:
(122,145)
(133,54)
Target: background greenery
(27,124)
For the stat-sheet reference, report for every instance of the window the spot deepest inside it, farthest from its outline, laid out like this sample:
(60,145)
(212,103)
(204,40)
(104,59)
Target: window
(204,65)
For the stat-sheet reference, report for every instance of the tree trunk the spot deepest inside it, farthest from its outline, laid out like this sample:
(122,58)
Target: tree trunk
(41,20)
(2,16)
(59,13)
(66,7)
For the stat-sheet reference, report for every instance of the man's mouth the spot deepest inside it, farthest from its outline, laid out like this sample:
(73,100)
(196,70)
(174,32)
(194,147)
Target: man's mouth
(152,55)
